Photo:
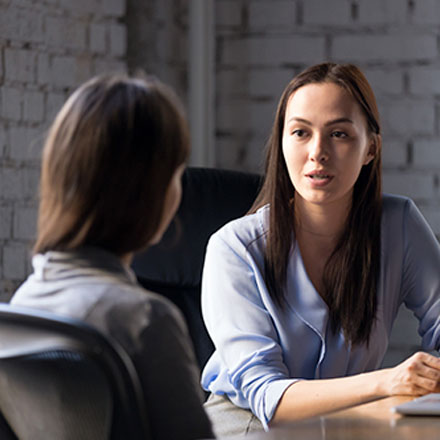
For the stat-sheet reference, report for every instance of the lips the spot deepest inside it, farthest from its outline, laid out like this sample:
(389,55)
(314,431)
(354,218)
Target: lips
(319,175)
(319,178)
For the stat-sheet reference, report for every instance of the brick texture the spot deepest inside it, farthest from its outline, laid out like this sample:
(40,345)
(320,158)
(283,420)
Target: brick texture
(278,14)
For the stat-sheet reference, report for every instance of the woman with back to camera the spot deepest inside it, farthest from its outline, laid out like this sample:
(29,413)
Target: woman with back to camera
(110,185)
(299,297)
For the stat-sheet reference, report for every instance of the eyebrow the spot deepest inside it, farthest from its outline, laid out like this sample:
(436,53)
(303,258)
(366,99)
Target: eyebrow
(332,122)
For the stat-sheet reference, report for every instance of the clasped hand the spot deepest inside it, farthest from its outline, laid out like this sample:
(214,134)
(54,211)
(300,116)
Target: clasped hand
(416,376)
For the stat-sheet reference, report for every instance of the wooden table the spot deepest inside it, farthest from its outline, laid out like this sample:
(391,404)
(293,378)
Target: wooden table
(373,420)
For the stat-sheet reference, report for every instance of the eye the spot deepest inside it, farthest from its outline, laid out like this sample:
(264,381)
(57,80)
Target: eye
(299,133)
(339,134)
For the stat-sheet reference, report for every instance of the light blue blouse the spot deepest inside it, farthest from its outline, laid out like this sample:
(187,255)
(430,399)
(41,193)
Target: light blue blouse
(261,349)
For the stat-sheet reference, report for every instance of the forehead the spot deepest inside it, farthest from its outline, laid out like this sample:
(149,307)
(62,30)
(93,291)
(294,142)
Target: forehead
(322,100)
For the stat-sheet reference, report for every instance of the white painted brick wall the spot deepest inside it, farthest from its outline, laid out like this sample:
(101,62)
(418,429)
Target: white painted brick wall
(270,51)
(274,14)
(118,40)
(14,261)
(385,12)
(65,33)
(43,69)
(21,24)
(261,116)
(24,223)
(115,8)
(47,48)
(5,222)
(231,116)
(385,82)
(33,106)
(1,63)
(105,66)
(409,117)
(432,215)
(426,12)
(228,13)
(12,187)
(424,80)
(417,185)
(19,184)
(336,12)
(269,83)
(394,154)
(54,102)
(19,65)
(62,72)
(2,141)
(98,38)
(10,103)
(385,48)
(231,83)
(426,154)
(25,143)
(78,7)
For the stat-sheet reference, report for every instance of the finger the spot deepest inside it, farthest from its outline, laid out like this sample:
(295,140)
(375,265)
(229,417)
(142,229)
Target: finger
(426,384)
(427,372)
(413,390)
(427,359)
(433,362)
(419,391)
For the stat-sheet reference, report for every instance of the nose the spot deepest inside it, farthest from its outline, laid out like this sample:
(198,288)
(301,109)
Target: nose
(318,150)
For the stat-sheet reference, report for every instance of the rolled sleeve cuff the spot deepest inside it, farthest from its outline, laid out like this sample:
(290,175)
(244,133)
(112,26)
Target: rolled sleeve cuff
(274,392)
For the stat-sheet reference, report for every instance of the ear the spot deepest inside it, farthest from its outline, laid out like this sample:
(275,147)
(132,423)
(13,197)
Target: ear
(375,143)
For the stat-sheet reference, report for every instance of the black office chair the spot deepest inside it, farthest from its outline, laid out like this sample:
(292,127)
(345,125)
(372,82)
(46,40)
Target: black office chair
(62,379)
(173,268)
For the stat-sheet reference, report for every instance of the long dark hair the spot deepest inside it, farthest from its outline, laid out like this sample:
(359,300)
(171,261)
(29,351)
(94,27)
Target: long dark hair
(107,162)
(352,271)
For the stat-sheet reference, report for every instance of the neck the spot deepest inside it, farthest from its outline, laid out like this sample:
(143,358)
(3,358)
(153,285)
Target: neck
(323,222)
(126,259)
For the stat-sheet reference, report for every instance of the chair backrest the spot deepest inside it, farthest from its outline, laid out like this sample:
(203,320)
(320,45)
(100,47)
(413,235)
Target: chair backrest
(62,379)
(173,268)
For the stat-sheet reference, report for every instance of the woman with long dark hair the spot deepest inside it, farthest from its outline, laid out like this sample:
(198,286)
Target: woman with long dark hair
(110,185)
(300,295)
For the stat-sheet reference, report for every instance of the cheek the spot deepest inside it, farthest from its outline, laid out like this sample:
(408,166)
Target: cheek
(177,195)
(293,158)
(287,157)
(173,197)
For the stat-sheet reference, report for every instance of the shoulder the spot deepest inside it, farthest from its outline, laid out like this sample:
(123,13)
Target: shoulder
(404,225)
(396,208)
(400,208)
(138,318)
(130,302)
(395,203)
(243,232)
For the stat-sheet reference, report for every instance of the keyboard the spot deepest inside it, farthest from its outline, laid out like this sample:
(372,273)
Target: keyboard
(428,405)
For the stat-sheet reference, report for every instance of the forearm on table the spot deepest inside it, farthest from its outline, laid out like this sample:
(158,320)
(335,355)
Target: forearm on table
(308,398)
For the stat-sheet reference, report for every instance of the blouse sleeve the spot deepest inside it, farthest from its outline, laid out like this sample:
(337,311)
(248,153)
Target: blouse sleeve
(421,275)
(248,363)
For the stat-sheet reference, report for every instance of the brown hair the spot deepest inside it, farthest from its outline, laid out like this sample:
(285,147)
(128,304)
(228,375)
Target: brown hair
(351,273)
(107,163)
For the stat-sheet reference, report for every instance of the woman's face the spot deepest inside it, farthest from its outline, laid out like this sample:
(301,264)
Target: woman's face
(325,143)
(171,203)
